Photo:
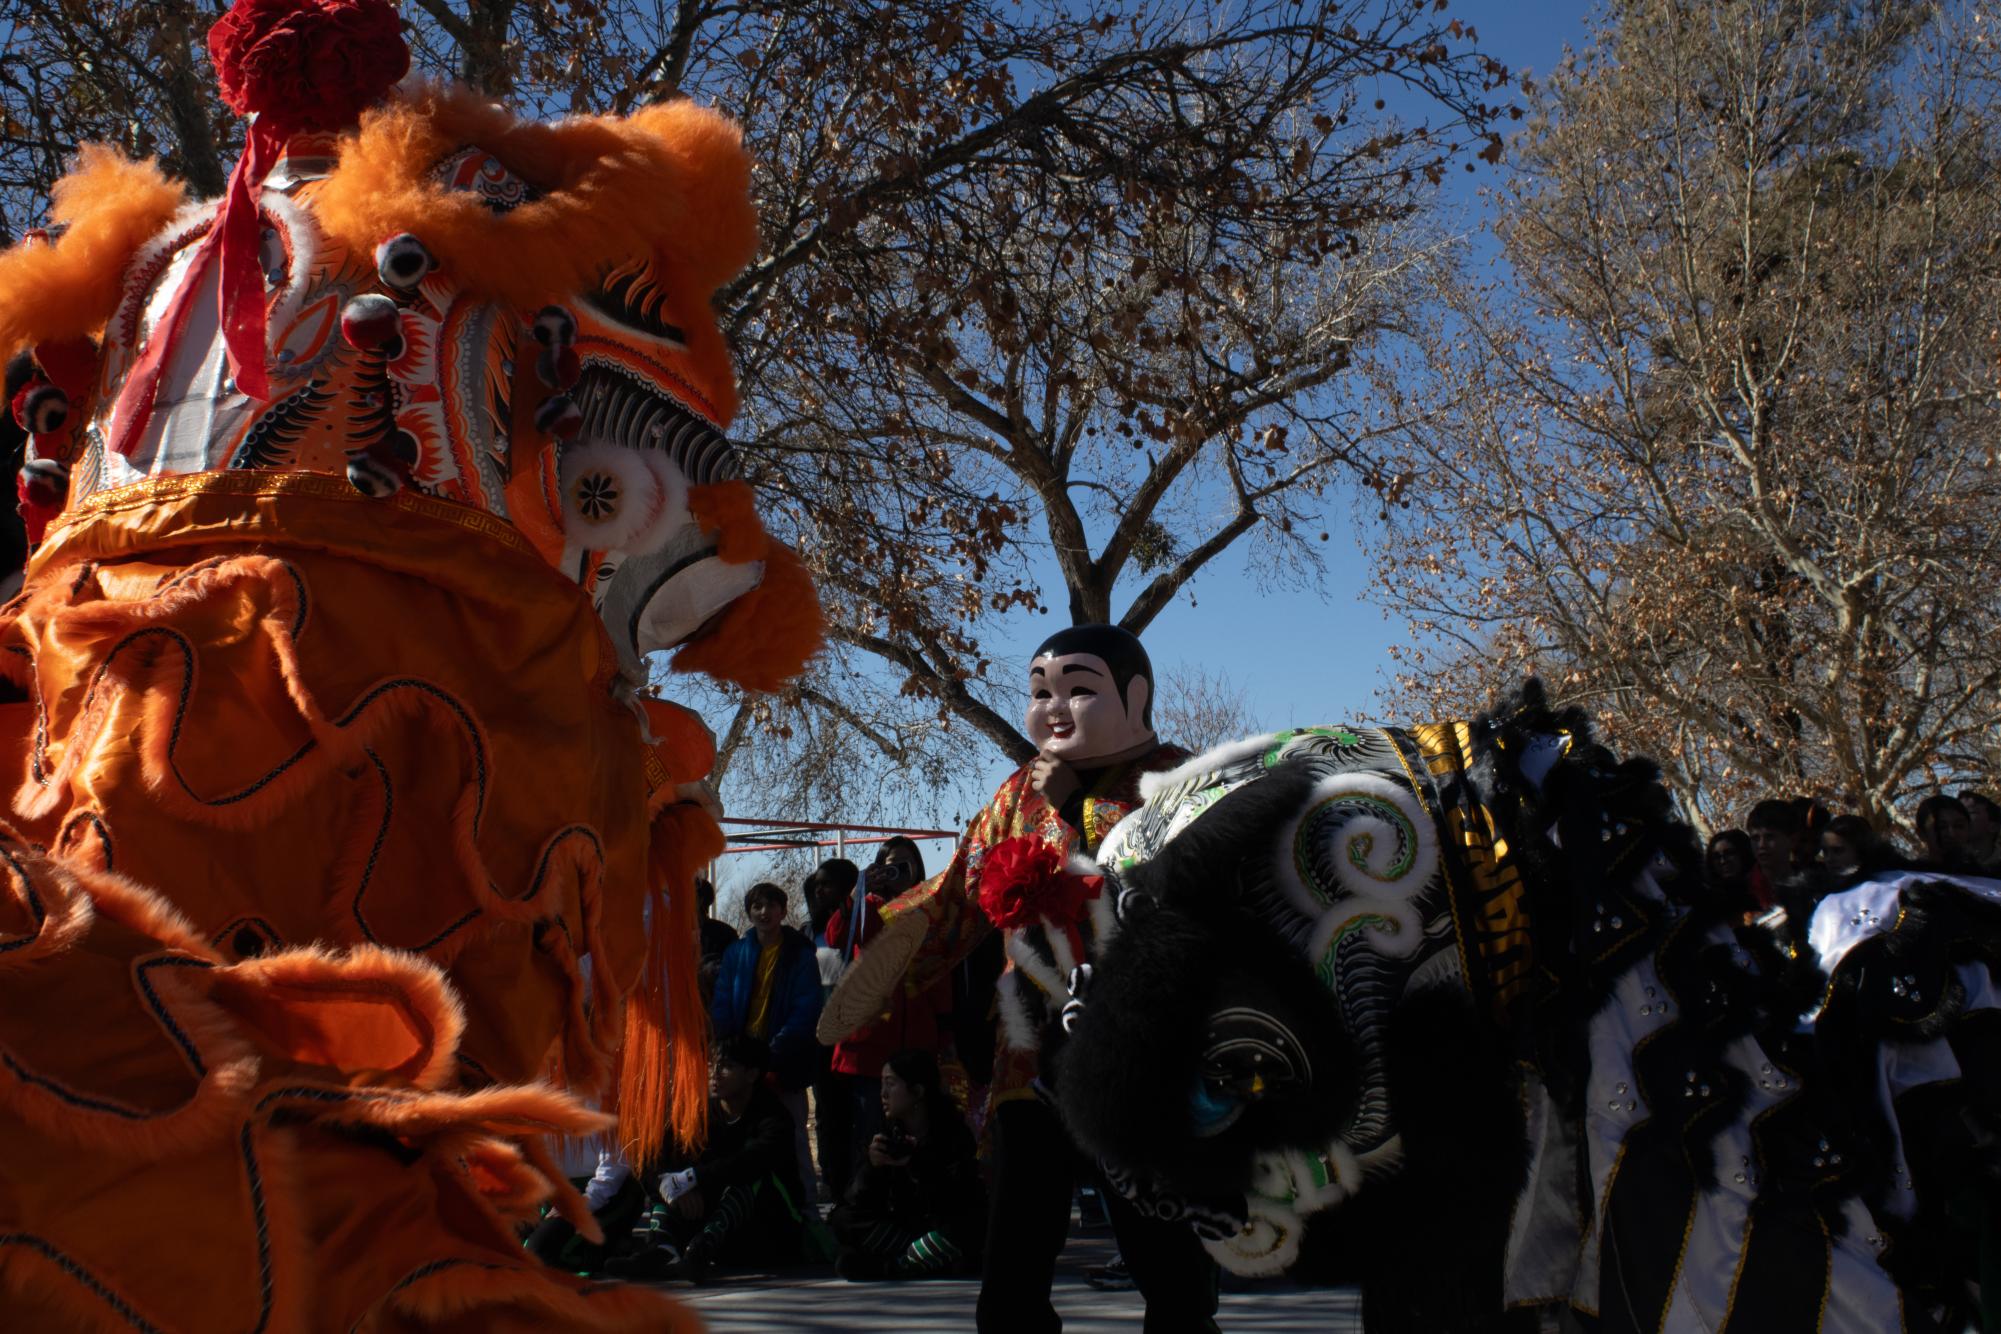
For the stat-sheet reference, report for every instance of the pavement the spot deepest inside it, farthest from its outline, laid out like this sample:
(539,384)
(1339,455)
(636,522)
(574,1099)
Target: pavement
(814,1300)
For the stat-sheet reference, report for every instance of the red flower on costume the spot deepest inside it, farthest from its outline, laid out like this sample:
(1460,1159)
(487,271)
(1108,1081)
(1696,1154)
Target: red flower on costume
(312,64)
(1024,879)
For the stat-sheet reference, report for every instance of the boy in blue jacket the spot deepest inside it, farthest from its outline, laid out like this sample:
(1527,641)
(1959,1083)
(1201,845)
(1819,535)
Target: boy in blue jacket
(769,989)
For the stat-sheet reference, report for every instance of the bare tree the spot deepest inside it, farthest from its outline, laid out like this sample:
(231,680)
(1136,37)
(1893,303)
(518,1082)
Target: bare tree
(123,72)
(1091,277)
(1200,708)
(836,745)
(1105,307)
(1719,456)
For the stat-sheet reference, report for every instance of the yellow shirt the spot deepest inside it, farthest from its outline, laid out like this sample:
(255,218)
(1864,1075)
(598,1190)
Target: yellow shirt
(759,1017)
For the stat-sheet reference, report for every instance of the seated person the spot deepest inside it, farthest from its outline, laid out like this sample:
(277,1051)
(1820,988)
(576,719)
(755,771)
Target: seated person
(770,989)
(853,1105)
(738,1201)
(617,1201)
(916,1207)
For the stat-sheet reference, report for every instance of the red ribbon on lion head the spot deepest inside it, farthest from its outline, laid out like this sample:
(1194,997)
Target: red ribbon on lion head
(296,65)
(310,64)
(1024,878)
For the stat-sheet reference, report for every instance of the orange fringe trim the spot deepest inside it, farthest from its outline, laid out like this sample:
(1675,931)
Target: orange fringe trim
(663,1081)
(218,1104)
(68,288)
(131,905)
(683,744)
(497,1172)
(65,909)
(729,510)
(369,1009)
(565,1199)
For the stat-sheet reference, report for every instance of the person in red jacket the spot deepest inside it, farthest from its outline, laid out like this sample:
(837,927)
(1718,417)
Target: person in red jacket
(912,1022)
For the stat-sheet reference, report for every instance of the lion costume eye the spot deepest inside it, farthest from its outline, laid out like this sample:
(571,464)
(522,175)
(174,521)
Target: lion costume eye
(634,299)
(1130,903)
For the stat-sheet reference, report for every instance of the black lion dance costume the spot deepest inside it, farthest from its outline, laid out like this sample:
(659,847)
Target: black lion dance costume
(1445,1004)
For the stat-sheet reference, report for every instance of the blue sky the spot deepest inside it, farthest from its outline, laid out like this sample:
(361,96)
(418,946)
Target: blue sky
(1300,655)
(1314,655)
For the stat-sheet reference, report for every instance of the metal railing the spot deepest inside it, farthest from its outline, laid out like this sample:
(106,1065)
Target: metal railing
(791,835)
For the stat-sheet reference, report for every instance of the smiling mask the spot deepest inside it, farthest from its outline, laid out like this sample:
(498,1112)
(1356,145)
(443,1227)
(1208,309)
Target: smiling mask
(1090,695)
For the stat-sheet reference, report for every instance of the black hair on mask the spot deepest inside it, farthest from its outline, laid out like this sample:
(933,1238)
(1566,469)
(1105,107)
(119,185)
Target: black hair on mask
(1121,651)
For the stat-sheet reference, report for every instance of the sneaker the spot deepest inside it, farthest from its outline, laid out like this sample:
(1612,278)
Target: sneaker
(650,1229)
(655,1264)
(1113,1277)
(692,1267)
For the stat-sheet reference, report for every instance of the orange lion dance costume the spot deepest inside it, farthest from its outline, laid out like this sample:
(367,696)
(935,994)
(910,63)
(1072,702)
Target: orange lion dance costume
(344,863)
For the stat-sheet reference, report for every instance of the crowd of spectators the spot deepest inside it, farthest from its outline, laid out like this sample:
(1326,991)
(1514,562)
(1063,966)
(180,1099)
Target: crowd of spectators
(894,1153)
(1792,853)
(769,989)
(740,1199)
(897,1158)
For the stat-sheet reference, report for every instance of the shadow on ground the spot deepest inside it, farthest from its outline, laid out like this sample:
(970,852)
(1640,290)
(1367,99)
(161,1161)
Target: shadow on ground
(815,1300)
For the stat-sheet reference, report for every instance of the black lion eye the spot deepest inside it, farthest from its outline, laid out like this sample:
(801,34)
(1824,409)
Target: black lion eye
(1130,903)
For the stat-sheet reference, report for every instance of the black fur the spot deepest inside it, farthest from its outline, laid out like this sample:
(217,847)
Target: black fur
(1125,1080)
(1434,1235)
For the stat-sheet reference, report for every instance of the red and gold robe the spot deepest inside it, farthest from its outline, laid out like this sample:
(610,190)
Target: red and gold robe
(1038,962)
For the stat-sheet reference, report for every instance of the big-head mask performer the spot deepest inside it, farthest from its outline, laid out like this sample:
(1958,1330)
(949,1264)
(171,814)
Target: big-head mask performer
(1090,708)
(1090,717)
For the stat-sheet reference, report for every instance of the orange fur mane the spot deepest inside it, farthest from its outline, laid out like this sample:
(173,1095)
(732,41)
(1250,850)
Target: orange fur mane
(68,287)
(670,183)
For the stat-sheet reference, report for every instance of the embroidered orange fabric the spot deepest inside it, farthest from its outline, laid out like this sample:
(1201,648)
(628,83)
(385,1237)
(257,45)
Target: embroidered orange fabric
(385,727)
(196,1144)
(338,844)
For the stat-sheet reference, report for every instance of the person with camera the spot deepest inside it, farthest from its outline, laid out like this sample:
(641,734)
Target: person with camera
(911,1022)
(916,1208)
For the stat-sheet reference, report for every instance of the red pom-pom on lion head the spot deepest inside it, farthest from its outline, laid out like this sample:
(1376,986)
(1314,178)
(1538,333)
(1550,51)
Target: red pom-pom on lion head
(308,64)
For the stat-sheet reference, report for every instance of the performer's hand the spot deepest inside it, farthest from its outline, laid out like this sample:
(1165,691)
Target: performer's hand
(1054,779)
